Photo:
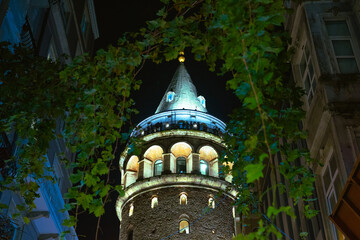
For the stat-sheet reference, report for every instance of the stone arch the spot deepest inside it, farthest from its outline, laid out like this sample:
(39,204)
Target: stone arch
(151,156)
(184,224)
(154,153)
(210,155)
(131,171)
(130,232)
(181,150)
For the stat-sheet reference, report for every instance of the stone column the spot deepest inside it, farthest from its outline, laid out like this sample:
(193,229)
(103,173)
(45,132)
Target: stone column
(145,168)
(141,170)
(130,178)
(214,168)
(148,168)
(196,163)
(166,163)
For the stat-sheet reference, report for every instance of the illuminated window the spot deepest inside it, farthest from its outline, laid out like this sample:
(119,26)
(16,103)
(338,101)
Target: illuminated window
(211,202)
(202,101)
(170,96)
(154,202)
(131,210)
(158,167)
(204,167)
(183,199)
(184,227)
(180,165)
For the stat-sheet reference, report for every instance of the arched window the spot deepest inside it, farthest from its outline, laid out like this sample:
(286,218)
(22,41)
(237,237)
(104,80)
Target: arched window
(204,167)
(202,101)
(183,199)
(154,202)
(170,96)
(184,226)
(211,202)
(130,234)
(131,210)
(158,167)
(181,165)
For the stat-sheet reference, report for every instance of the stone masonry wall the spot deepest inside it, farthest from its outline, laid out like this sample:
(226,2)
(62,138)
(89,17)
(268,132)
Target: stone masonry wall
(162,222)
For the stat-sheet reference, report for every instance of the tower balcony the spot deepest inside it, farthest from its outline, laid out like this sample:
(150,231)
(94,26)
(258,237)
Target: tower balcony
(180,119)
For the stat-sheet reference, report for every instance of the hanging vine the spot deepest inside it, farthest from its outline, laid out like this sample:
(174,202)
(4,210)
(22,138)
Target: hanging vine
(93,98)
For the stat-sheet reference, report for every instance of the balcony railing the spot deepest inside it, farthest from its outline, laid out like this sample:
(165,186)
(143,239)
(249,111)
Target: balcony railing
(180,119)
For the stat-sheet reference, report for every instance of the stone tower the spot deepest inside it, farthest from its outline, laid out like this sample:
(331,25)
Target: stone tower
(172,188)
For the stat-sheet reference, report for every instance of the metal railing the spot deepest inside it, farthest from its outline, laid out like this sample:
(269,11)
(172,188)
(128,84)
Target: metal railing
(180,119)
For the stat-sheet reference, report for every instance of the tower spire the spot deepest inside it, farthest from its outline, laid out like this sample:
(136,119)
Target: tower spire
(181,92)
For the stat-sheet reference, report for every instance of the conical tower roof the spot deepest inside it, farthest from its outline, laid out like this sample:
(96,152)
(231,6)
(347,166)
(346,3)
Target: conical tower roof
(181,94)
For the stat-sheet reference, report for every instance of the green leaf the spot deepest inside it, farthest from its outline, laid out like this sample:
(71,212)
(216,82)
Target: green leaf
(26,220)
(84,200)
(272,211)
(70,222)
(120,190)
(254,172)
(3,206)
(99,210)
(251,143)
(250,103)
(161,12)
(20,207)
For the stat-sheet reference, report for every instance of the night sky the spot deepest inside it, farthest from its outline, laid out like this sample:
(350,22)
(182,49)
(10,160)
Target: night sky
(117,17)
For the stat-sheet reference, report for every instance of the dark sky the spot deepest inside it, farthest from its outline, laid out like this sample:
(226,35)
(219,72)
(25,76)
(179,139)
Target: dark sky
(115,17)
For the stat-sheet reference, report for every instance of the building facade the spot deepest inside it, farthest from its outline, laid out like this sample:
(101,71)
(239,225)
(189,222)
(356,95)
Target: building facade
(326,63)
(51,29)
(174,188)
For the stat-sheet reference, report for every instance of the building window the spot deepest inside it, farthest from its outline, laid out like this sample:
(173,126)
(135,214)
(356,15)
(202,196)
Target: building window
(84,23)
(131,210)
(51,56)
(183,199)
(184,227)
(130,235)
(204,167)
(332,186)
(170,96)
(211,202)
(181,165)
(158,167)
(202,101)
(154,202)
(340,38)
(307,73)
(65,11)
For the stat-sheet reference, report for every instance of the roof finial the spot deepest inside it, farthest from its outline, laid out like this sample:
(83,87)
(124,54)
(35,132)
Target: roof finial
(181,57)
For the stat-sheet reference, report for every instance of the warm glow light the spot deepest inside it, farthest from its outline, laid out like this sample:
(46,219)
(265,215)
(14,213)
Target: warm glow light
(184,226)
(183,199)
(131,210)
(181,149)
(181,57)
(154,152)
(154,202)
(211,202)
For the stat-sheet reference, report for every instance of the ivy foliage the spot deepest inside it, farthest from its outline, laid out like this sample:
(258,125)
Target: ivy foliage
(92,97)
